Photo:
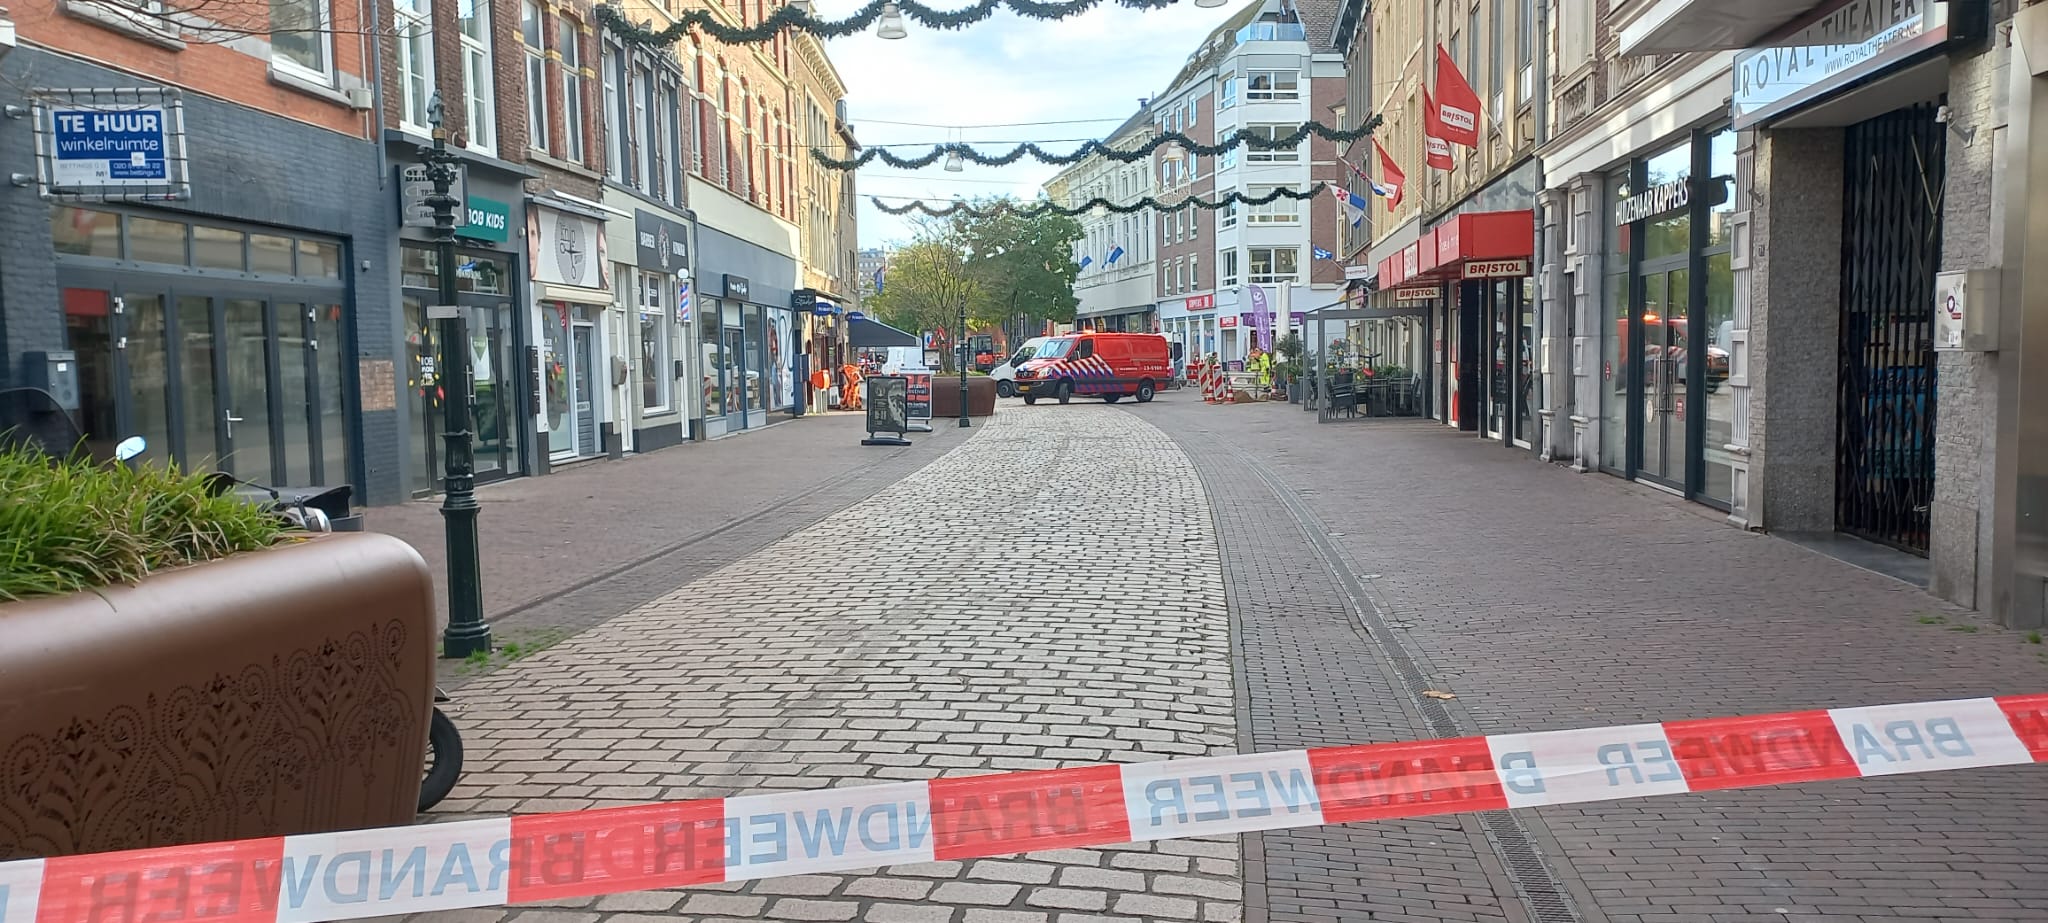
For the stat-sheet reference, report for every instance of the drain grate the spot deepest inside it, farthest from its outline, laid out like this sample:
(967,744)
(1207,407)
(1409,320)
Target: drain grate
(1535,881)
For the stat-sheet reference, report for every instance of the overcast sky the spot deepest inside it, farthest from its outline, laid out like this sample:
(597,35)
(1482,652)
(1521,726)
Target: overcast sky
(1006,70)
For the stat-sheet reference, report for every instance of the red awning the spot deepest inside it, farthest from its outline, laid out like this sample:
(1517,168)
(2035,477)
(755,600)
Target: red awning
(1478,245)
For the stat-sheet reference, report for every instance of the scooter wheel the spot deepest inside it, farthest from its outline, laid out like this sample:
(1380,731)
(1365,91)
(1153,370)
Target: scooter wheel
(444,760)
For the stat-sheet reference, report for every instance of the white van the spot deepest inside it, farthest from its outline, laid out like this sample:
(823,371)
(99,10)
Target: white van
(1005,375)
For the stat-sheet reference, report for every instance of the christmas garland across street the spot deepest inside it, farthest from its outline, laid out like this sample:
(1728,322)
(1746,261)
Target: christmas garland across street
(790,17)
(1243,137)
(1044,207)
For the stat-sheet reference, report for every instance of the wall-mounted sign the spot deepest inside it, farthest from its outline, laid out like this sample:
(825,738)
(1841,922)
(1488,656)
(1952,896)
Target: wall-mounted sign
(415,184)
(659,243)
(488,219)
(856,315)
(1861,38)
(1415,293)
(736,287)
(1664,197)
(111,145)
(1201,302)
(1496,269)
(804,299)
(569,249)
(1227,321)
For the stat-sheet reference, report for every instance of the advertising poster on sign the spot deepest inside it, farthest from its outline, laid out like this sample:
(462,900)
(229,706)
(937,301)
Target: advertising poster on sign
(909,362)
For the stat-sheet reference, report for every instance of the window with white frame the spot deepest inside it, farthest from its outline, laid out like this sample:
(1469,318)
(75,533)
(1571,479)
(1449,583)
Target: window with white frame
(1272,85)
(1271,133)
(533,36)
(1525,50)
(478,77)
(413,22)
(1194,273)
(656,382)
(1227,160)
(1194,224)
(570,45)
(299,39)
(1271,265)
(639,132)
(1226,94)
(1226,217)
(1281,210)
(1226,267)
(614,132)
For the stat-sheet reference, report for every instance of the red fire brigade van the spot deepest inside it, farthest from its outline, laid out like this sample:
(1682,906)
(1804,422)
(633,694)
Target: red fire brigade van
(1104,365)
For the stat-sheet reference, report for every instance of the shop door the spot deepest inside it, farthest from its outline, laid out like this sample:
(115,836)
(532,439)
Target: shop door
(118,337)
(1891,244)
(584,338)
(735,377)
(1499,344)
(1666,440)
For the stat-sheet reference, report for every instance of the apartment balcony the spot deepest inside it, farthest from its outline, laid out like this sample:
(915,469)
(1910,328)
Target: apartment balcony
(1677,26)
(1272,32)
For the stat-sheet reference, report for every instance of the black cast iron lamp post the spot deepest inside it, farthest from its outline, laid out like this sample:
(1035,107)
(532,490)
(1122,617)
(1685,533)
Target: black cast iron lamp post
(467,632)
(961,339)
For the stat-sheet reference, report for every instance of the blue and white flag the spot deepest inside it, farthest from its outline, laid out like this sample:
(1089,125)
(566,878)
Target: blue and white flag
(1114,253)
(1323,254)
(1354,204)
(1086,260)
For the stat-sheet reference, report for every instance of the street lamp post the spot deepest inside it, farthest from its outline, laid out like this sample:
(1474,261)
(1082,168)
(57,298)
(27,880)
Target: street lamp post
(467,632)
(961,348)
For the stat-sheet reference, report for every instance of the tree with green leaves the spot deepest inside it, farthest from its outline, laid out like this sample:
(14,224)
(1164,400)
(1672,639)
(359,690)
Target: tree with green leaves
(1011,270)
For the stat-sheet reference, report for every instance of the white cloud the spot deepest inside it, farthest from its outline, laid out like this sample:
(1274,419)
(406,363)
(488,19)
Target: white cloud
(1007,69)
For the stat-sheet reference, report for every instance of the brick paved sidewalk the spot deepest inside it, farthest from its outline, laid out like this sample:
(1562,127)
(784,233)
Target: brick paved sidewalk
(565,551)
(1545,599)
(988,618)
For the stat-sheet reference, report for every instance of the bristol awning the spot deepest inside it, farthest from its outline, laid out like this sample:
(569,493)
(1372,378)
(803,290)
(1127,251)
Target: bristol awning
(874,333)
(1475,245)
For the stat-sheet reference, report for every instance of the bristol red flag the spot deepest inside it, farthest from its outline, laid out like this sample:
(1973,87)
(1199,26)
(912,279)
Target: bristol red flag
(1394,180)
(1436,151)
(1458,103)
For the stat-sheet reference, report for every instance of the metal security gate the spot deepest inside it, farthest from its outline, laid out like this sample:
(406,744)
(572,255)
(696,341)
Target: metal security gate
(1891,245)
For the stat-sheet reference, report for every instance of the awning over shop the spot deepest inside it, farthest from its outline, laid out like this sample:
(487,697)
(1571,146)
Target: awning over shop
(1674,26)
(1476,245)
(874,333)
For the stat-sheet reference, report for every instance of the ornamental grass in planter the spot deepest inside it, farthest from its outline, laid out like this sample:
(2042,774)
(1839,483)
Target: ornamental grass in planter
(179,668)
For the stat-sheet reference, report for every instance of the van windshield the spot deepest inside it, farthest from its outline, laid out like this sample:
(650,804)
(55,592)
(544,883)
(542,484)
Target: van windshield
(1054,348)
(1024,354)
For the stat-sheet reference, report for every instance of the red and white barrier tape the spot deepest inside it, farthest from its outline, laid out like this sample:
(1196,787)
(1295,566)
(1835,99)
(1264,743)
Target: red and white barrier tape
(509,860)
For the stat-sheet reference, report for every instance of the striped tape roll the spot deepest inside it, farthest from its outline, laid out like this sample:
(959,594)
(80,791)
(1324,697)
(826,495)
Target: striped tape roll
(508,860)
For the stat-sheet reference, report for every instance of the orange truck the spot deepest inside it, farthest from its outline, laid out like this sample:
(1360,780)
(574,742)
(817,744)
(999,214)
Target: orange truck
(1110,366)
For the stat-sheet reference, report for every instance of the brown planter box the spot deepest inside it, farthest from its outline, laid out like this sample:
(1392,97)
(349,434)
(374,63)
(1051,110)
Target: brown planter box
(981,397)
(285,691)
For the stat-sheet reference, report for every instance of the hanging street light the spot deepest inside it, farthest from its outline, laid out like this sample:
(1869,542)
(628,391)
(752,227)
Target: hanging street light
(954,163)
(1210,4)
(891,25)
(467,632)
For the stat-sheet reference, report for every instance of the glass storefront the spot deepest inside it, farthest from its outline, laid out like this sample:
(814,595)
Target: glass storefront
(483,282)
(221,346)
(569,357)
(1666,412)
(781,346)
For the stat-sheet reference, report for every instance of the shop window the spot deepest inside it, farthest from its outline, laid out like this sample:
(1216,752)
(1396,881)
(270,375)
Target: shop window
(216,248)
(655,383)
(299,39)
(614,140)
(318,260)
(87,232)
(270,254)
(154,241)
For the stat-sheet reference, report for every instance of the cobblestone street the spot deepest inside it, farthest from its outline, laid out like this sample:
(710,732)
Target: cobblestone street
(1077,584)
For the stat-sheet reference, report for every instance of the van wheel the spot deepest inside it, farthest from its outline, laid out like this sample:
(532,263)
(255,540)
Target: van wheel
(1145,391)
(1030,399)
(1112,398)
(1066,391)
(1005,389)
